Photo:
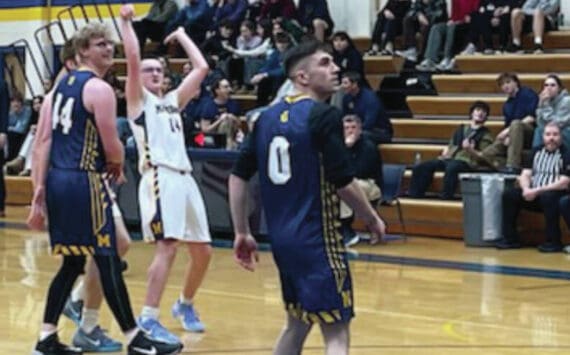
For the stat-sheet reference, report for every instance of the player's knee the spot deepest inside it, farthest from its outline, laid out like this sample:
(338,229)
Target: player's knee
(123,245)
(166,249)
(202,251)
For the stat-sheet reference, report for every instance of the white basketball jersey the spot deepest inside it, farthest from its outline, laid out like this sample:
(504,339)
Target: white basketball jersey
(159,133)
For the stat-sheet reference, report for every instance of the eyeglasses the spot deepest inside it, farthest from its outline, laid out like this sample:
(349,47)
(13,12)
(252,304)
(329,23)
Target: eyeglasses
(104,43)
(151,69)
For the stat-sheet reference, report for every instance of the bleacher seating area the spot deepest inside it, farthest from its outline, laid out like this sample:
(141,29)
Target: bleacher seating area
(424,117)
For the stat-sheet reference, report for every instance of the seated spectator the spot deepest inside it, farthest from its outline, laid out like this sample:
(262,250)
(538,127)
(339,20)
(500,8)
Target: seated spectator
(388,25)
(192,113)
(492,14)
(241,69)
(442,37)
(461,155)
(363,102)
(214,46)
(536,16)
(18,124)
(21,164)
(152,26)
(345,54)
(220,114)
(272,9)
(368,171)
(553,106)
(543,182)
(519,112)
(421,16)
(271,75)
(253,57)
(315,17)
(233,11)
(194,17)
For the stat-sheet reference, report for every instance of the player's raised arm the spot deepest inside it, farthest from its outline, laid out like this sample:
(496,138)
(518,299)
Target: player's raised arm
(133,85)
(191,83)
(99,98)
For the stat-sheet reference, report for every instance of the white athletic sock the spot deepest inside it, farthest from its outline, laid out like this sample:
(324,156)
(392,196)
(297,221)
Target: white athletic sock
(538,40)
(149,312)
(185,300)
(46,333)
(78,292)
(131,334)
(517,41)
(89,320)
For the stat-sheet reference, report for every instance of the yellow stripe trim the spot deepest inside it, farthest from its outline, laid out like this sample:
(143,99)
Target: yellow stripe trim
(49,14)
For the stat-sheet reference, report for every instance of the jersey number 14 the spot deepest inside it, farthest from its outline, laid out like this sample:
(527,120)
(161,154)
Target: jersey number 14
(62,115)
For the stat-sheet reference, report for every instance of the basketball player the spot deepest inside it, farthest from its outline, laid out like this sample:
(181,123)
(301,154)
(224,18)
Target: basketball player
(172,209)
(88,293)
(77,130)
(297,147)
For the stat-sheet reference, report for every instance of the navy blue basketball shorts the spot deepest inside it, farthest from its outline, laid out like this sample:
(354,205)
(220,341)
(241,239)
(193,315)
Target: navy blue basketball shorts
(80,213)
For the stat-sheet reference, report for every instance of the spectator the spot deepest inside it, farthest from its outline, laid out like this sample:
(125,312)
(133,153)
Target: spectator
(154,23)
(314,16)
(271,75)
(192,113)
(272,9)
(553,106)
(364,102)
(241,69)
(543,182)
(536,16)
(233,11)
(4,117)
(388,25)
(442,36)
(18,124)
(195,18)
(492,14)
(221,113)
(367,164)
(422,15)
(214,46)
(519,112)
(345,54)
(459,156)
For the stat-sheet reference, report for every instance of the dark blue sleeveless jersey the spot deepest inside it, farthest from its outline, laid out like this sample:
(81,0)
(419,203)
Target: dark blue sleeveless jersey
(76,144)
(298,149)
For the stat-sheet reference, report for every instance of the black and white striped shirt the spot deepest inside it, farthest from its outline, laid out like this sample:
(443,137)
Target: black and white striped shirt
(548,166)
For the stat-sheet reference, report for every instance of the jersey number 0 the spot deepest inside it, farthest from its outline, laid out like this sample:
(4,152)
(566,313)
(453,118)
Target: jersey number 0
(279,166)
(62,116)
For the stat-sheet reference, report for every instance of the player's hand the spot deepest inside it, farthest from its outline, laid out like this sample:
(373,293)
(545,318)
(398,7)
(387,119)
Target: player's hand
(378,229)
(174,34)
(37,217)
(127,12)
(245,251)
(114,172)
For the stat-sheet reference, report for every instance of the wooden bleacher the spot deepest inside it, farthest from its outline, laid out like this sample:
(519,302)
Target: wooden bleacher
(456,106)
(485,83)
(495,64)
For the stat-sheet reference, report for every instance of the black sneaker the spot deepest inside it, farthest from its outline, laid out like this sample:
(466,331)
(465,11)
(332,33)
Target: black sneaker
(550,247)
(52,346)
(514,48)
(144,345)
(507,244)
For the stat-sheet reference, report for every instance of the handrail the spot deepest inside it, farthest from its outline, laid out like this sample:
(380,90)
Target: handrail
(70,11)
(50,37)
(23,65)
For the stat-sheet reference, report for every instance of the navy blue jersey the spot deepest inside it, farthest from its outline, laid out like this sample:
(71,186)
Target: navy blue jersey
(76,144)
(298,149)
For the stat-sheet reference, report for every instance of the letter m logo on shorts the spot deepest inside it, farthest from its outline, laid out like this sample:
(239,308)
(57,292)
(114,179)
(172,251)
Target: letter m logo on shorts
(156,228)
(103,240)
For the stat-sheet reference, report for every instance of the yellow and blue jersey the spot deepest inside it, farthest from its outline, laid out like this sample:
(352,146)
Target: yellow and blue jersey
(76,144)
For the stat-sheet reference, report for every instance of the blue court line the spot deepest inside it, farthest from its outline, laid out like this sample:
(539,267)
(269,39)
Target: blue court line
(440,264)
(407,261)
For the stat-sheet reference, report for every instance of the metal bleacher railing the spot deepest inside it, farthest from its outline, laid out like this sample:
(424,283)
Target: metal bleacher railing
(21,48)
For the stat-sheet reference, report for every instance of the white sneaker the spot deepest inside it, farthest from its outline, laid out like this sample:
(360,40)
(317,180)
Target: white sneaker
(469,50)
(446,64)
(426,65)
(410,54)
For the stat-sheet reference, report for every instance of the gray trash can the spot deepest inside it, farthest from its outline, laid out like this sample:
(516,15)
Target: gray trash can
(482,207)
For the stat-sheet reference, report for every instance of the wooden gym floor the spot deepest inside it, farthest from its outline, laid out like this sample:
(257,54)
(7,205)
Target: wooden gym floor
(426,296)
